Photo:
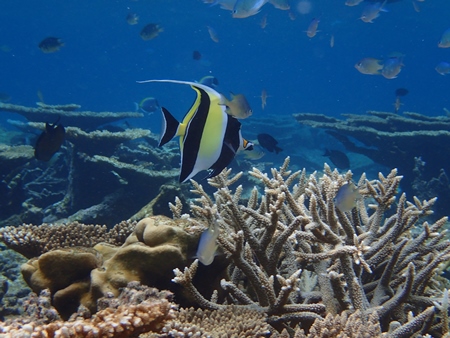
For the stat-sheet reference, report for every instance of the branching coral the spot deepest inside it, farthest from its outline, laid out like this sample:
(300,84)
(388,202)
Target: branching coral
(296,256)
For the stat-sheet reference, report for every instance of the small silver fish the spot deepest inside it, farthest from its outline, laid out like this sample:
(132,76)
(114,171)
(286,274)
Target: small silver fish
(445,39)
(132,19)
(353,2)
(281,4)
(238,106)
(207,244)
(346,197)
(392,67)
(443,68)
(213,34)
(312,28)
(245,8)
(369,66)
(372,11)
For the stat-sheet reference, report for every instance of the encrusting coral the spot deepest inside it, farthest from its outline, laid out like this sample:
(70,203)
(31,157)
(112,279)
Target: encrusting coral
(294,259)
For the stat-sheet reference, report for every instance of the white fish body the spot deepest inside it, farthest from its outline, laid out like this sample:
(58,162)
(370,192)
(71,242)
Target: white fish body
(207,245)
(245,8)
(346,197)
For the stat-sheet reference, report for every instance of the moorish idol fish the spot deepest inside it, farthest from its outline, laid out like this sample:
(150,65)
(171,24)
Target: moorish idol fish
(49,142)
(209,137)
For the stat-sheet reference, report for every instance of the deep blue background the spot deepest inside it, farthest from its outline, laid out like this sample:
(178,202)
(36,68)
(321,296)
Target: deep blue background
(103,56)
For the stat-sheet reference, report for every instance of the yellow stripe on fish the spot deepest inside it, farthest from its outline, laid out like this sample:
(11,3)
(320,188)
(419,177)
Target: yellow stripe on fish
(209,137)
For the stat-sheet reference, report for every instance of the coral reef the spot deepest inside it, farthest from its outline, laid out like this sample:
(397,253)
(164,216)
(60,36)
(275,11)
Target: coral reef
(80,263)
(288,258)
(81,119)
(300,257)
(101,142)
(12,287)
(118,164)
(138,309)
(392,140)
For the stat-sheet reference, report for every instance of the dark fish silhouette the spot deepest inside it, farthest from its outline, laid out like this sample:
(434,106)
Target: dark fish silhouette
(401,92)
(49,142)
(151,31)
(268,142)
(338,158)
(196,55)
(50,45)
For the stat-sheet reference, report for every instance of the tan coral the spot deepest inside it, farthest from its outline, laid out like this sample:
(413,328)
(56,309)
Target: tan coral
(149,255)
(81,276)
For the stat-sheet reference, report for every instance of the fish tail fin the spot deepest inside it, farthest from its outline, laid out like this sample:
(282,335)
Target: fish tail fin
(169,127)
(136,106)
(278,149)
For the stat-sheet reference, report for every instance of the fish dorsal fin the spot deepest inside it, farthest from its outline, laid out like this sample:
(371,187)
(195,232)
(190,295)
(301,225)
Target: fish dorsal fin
(207,89)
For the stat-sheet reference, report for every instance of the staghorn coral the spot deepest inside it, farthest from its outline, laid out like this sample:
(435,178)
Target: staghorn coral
(138,309)
(377,257)
(32,240)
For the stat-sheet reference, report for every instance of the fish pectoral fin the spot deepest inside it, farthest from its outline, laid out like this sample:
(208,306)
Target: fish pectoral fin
(169,127)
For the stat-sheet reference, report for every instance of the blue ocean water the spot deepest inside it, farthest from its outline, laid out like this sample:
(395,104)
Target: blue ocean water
(103,56)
